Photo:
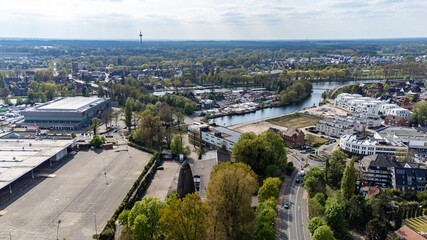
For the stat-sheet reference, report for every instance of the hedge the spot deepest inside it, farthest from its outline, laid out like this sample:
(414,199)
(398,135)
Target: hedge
(135,193)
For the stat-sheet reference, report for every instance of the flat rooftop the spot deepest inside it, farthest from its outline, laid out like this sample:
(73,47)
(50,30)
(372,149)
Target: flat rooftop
(228,134)
(68,104)
(17,157)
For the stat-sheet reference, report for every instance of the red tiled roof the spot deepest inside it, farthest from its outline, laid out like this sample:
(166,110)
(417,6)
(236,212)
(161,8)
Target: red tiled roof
(409,234)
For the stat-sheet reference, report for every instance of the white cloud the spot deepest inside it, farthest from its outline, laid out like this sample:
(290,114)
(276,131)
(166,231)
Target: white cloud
(213,19)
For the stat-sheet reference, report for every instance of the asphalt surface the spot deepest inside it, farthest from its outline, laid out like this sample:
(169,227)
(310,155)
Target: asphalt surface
(293,221)
(76,191)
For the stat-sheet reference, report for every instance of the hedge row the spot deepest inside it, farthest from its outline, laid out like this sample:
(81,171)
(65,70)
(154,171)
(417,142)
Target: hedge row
(134,194)
(141,148)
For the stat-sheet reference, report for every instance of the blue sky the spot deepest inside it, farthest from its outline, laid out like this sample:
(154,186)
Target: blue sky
(213,19)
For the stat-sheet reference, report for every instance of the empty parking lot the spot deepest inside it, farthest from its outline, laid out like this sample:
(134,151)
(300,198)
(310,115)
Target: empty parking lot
(76,191)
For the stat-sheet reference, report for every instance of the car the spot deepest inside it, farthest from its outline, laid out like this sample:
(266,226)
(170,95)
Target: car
(115,131)
(302,173)
(286,205)
(160,168)
(297,180)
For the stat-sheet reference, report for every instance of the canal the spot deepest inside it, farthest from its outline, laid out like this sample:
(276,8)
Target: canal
(314,98)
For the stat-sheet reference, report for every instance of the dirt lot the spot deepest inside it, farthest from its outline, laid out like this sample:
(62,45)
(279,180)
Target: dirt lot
(327,110)
(256,127)
(297,120)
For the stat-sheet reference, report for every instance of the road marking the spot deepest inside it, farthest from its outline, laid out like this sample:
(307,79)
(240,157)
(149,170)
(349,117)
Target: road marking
(296,222)
(290,203)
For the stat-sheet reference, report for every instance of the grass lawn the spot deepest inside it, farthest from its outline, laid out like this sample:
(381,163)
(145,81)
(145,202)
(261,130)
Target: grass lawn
(417,224)
(315,139)
(296,120)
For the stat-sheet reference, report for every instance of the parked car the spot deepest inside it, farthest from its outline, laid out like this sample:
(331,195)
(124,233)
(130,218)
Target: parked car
(286,205)
(297,180)
(160,168)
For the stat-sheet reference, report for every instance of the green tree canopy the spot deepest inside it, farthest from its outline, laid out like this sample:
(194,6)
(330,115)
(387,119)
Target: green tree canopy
(260,152)
(314,181)
(270,188)
(315,223)
(144,218)
(185,218)
(334,214)
(128,113)
(420,112)
(323,233)
(228,199)
(348,182)
(376,230)
(336,168)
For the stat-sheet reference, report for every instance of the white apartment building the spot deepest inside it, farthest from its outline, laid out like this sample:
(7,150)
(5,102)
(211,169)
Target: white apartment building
(372,120)
(334,128)
(350,144)
(220,137)
(355,103)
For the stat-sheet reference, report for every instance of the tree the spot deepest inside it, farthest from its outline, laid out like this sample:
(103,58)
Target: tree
(323,233)
(376,230)
(97,141)
(124,218)
(314,224)
(420,112)
(4,90)
(260,151)
(269,189)
(95,124)
(107,116)
(73,135)
(128,113)
(178,148)
(149,129)
(348,182)
(228,200)
(334,214)
(314,181)
(189,107)
(144,218)
(185,218)
(357,212)
(336,168)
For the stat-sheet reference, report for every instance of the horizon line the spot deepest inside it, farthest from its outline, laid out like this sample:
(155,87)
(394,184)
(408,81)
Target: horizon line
(209,40)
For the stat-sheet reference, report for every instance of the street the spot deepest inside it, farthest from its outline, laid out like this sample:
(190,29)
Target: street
(293,221)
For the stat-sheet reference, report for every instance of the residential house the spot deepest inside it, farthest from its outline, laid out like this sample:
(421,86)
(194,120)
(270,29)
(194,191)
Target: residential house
(395,121)
(293,137)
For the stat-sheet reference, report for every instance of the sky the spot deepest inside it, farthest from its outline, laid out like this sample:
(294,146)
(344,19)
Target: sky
(213,19)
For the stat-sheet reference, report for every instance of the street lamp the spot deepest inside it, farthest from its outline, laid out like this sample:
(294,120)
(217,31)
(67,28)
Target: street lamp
(10,233)
(57,218)
(96,228)
(105,172)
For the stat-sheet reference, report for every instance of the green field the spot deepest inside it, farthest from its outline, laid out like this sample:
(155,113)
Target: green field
(417,224)
(315,139)
(296,120)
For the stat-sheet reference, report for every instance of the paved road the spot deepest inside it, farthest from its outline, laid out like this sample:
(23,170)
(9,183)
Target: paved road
(294,220)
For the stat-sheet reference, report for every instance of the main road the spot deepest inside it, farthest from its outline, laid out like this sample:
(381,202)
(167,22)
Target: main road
(292,222)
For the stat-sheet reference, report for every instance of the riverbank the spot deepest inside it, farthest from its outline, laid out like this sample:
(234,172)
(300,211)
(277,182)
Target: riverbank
(261,125)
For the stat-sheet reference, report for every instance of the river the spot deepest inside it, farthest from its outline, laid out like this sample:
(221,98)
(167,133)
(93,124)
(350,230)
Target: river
(314,98)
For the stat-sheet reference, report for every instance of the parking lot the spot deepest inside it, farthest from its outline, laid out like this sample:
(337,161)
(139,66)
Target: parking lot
(77,193)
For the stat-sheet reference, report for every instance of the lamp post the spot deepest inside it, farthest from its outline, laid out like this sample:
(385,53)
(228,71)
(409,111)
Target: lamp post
(10,233)
(105,172)
(96,228)
(57,218)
